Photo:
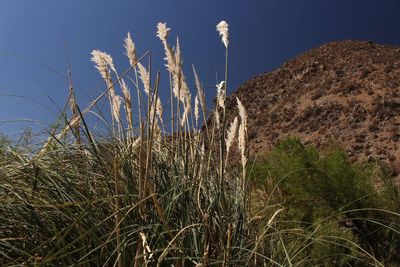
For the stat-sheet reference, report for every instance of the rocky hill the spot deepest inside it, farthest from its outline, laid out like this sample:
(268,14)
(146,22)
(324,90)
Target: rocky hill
(347,91)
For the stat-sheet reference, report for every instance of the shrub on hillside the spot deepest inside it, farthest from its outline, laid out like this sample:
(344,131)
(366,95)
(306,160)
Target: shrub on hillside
(333,202)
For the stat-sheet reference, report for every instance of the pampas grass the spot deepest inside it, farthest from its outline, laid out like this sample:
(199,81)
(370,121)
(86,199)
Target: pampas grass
(231,135)
(196,109)
(130,49)
(103,61)
(141,197)
(162,31)
(221,94)
(144,76)
(242,138)
(223,30)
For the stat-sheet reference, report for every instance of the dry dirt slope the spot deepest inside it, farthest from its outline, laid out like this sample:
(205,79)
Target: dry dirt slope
(348,91)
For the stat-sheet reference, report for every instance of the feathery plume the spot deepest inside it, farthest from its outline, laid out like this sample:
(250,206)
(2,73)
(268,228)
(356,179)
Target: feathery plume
(242,113)
(176,85)
(231,134)
(126,93)
(130,49)
(223,31)
(200,90)
(179,82)
(242,137)
(178,54)
(159,109)
(184,93)
(220,94)
(170,58)
(144,77)
(162,31)
(102,60)
(187,108)
(196,108)
(217,119)
(116,108)
(128,103)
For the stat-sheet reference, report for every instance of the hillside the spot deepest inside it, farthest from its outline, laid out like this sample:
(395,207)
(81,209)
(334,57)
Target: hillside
(347,91)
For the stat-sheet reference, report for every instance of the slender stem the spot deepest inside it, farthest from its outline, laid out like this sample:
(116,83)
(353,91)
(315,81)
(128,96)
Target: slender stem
(222,133)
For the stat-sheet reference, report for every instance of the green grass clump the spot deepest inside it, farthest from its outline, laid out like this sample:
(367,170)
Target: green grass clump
(61,210)
(339,214)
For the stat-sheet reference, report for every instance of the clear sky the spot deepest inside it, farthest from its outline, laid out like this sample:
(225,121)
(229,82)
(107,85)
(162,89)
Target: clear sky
(264,34)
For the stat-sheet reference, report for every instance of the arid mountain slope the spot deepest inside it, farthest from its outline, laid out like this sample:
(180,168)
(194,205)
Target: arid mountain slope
(347,91)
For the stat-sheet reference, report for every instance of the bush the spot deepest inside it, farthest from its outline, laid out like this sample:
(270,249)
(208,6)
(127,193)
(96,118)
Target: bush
(334,202)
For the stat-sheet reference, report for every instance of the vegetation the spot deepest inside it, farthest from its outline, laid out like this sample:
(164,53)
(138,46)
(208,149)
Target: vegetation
(141,197)
(342,218)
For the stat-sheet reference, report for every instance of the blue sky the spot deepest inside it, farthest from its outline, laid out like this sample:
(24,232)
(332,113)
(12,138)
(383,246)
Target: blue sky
(36,37)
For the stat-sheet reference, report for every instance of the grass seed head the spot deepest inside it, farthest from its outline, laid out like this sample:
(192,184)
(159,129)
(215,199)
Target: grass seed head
(231,134)
(200,90)
(196,108)
(130,49)
(242,113)
(217,118)
(170,58)
(187,107)
(220,94)
(159,109)
(223,30)
(184,93)
(144,77)
(116,108)
(103,61)
(162,31)
(242,133)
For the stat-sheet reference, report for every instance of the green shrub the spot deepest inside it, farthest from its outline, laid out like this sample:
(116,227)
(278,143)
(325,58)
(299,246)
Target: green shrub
(333,201)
